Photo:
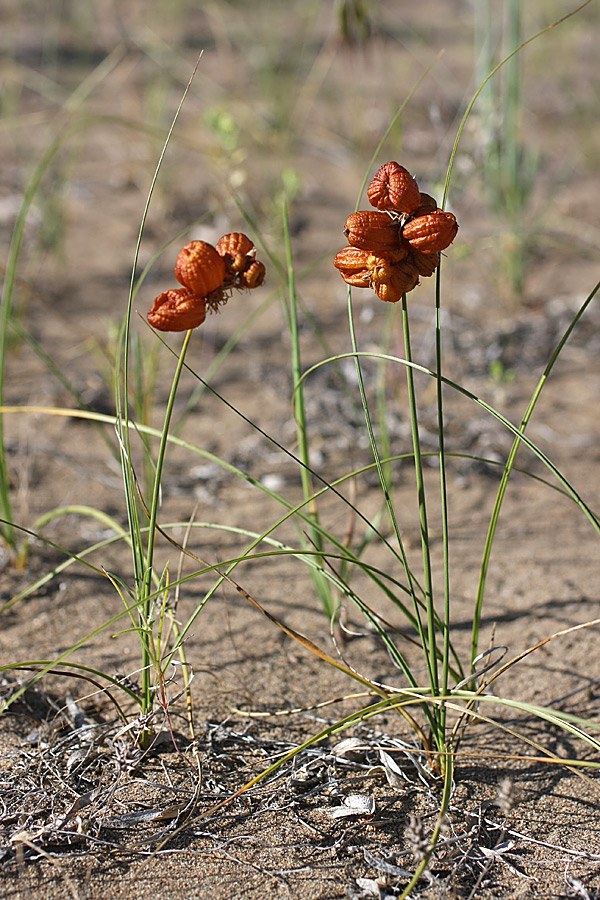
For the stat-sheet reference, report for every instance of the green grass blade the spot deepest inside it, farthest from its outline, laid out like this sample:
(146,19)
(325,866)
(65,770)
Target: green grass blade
(320,583)
(424,528)
(569,489)
(509,467)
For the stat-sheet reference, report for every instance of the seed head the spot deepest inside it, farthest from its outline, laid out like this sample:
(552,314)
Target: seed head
(200,268)
(505,796)
(416,838)
(208,275)
(178,309)
(399,242)
(394,189)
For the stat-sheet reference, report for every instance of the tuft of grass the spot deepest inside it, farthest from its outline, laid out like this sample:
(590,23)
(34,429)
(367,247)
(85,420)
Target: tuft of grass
(508,166)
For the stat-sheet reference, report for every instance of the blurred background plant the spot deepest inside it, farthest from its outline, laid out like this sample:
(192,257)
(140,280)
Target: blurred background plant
(509,163)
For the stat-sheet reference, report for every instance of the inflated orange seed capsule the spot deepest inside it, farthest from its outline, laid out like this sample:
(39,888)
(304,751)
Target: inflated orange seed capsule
(178,309)
(374,231)
(234,243)
(424,263)
(394,188)
(253,276)
(238,252)
(427,204)
(200,268)
(381,270)
(404,278)
(352,265)
(431,233)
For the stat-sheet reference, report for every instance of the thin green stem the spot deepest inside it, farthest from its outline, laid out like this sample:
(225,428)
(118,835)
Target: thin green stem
(508,469)
(389,505)
(382,401)
(428,580)
(146,597)
(380,469)
(320,583)
(443,489)
(122,374)
(447,762)
(566,486)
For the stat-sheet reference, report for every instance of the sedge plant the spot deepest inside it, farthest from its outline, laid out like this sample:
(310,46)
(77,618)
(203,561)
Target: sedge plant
(388,252)
(457,688)
(392,271)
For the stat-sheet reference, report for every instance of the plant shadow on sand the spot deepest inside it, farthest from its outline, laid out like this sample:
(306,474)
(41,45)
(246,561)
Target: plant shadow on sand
(86,813)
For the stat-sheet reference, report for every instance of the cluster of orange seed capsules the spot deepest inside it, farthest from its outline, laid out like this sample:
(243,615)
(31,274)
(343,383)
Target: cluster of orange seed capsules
(398,242)
(208,275)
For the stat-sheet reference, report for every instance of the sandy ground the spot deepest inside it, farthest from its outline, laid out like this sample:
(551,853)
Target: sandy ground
(280,99)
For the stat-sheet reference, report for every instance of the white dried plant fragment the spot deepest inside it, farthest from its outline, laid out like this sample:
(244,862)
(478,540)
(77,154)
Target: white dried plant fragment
(354,805)
(350,748)
(393,773)
(369,887)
